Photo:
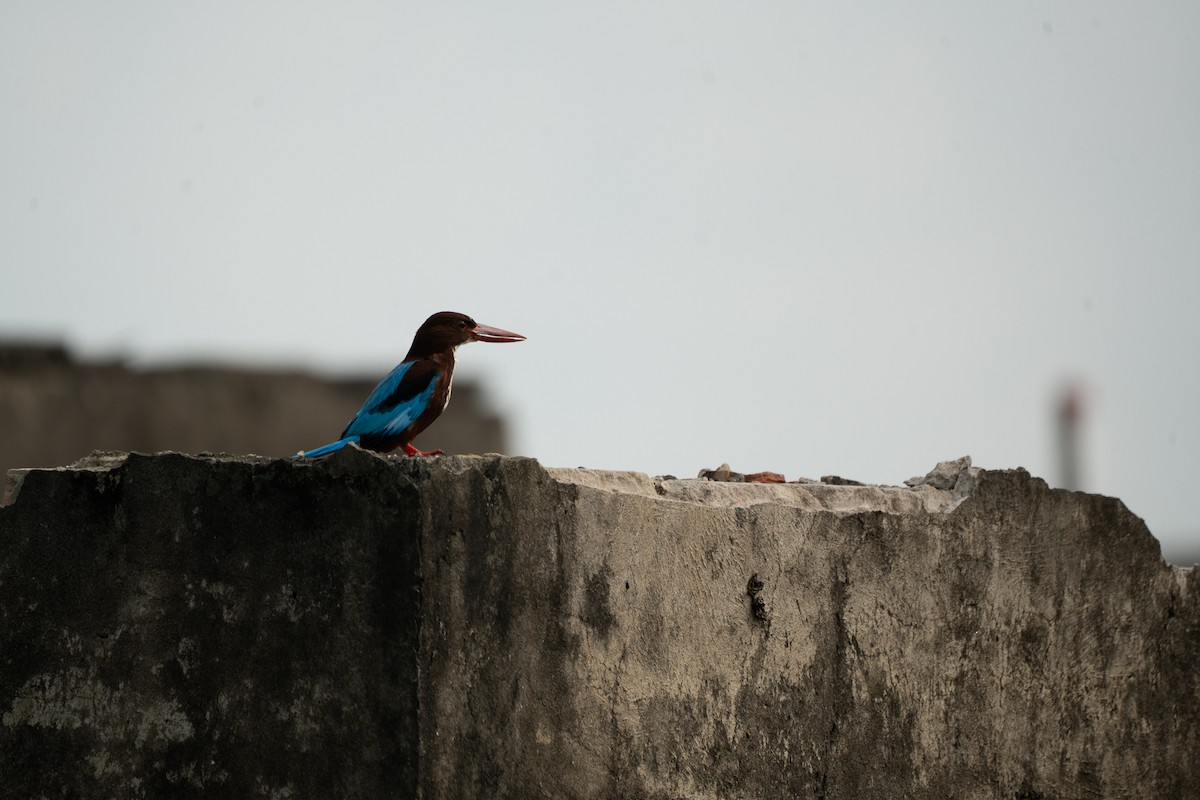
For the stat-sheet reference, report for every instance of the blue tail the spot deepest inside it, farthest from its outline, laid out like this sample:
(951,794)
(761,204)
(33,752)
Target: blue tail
(327,449)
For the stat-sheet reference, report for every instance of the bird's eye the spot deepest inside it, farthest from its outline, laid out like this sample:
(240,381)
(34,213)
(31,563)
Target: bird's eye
(462,323)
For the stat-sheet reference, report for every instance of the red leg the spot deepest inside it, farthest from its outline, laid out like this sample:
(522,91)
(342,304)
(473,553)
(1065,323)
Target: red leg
(412,451)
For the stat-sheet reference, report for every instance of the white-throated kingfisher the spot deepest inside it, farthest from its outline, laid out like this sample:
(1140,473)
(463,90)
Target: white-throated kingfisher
(416,392)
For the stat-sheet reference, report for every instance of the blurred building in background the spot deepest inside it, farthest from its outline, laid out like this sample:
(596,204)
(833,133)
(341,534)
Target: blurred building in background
(1069,421)
(54,410)
(1072,417)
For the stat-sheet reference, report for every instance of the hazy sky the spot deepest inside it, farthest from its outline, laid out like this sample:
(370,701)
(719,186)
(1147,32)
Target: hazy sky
(807,237)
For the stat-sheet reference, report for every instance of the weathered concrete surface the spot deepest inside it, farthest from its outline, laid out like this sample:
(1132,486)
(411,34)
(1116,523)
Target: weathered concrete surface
(484,627)
(172,626)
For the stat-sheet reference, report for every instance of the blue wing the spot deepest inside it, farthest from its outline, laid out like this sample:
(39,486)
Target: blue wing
(396,403)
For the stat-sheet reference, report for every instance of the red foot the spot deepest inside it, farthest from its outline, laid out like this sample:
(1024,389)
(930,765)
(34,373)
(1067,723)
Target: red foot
(409,450)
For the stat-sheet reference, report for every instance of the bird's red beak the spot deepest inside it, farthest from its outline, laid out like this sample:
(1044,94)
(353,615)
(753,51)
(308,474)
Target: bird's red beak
(486,333)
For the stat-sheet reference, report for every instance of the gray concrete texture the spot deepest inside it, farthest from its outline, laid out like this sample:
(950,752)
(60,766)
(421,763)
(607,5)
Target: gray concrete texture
(462,627)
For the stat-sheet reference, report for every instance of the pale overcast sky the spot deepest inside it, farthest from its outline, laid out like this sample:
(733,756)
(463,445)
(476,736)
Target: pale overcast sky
(807,237)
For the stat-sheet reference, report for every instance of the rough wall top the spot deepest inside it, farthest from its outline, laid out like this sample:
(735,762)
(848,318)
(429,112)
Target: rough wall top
(814,496)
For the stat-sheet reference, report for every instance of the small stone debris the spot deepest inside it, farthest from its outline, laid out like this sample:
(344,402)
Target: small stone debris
(944,476)
(838,480)
(725,474)
(765,477)
(722,473)
(956,475)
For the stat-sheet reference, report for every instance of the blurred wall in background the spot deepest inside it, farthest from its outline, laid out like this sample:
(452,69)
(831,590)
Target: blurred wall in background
(54,410)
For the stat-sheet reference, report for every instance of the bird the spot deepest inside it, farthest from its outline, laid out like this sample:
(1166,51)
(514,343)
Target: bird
(414,394)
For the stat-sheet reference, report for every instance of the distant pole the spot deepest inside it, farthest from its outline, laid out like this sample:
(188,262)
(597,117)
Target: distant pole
(1070,414)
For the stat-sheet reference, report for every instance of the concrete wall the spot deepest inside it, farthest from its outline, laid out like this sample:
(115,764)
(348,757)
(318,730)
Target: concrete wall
(485,627)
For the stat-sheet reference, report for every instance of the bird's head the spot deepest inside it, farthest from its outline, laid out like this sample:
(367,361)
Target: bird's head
(446,330)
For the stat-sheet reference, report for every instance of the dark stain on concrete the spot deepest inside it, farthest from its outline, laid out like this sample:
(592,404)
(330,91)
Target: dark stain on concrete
(597,608)
(758,606)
